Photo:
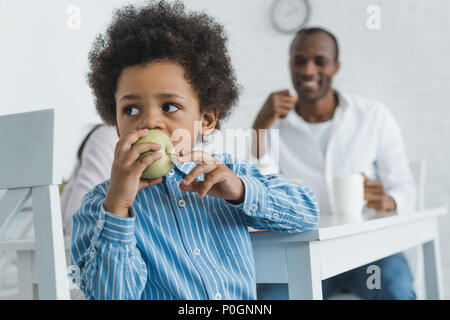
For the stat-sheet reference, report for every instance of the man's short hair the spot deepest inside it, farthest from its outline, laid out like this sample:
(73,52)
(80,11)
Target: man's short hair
(314,30)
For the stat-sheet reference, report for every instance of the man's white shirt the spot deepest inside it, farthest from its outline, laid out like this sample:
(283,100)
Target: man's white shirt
(363,137)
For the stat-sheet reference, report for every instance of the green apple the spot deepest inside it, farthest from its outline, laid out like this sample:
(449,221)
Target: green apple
(162,166)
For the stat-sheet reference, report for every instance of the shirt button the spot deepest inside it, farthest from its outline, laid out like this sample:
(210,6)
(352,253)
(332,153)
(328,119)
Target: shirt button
(196,251)
(181,203)
(254,207)
(275,215)
(171,172)
(100,224)
(218,296)
(92,254)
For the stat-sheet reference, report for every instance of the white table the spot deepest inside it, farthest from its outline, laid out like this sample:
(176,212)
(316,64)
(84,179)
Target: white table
(303,260)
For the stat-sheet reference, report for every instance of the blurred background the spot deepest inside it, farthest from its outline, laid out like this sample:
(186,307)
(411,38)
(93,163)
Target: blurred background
(402,62)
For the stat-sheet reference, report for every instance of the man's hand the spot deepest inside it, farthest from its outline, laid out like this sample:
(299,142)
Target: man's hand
(278,105)
(219,181)
(376,196)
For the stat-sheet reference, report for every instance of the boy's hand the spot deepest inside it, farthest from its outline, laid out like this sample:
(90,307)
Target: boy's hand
(126,172)
(219,181)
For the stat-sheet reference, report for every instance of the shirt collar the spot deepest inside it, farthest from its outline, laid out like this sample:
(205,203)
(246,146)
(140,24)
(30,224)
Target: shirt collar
(184,167)
(296,121)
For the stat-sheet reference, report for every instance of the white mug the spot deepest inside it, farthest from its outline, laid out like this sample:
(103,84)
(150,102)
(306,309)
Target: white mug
(348,193)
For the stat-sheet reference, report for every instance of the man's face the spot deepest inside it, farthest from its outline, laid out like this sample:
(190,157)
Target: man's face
(313,66)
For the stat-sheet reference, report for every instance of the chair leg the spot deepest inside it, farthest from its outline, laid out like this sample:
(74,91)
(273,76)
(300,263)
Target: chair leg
(50,252)
(25,274)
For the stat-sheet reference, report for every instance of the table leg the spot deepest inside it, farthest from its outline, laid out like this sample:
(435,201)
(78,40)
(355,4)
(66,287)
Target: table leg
(432,268)
(304,272)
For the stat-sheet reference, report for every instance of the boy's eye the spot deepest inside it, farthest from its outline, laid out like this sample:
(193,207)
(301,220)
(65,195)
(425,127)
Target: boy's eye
(131,111)
(170,107)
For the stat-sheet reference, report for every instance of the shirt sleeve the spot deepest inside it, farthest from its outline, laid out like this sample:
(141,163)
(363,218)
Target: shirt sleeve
(268,163)
(94,168)
(392,164)
(272,202)
(104,251)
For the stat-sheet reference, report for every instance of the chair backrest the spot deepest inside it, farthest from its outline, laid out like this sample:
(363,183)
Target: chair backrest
(27,149)
(418,170)
(27,169)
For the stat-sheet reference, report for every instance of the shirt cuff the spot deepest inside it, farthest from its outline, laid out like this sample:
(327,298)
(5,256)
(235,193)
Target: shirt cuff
(400,206)
(116,228)
(255,198)
(266,164)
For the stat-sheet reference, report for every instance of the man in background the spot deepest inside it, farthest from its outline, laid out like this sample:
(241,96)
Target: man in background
(325,133)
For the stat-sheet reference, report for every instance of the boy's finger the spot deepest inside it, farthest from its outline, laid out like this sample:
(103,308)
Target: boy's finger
(194,186)
(207,184)
(144,183)
(196,172)
(138,149)
(129,139)
(198,157)
(148,159)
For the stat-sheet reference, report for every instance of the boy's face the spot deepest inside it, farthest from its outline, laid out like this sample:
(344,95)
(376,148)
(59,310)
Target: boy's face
(158,96)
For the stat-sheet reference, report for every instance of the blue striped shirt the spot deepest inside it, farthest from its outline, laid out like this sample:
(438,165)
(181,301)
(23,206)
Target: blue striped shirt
(177,246)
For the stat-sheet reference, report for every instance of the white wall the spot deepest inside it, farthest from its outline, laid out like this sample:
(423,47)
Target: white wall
(405,64)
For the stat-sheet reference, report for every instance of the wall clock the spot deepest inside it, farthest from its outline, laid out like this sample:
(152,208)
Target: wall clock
(288,16)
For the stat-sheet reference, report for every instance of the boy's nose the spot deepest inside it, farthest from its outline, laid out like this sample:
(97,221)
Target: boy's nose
(153,119)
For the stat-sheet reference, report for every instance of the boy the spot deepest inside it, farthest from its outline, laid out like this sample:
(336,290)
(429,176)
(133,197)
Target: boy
(185,235)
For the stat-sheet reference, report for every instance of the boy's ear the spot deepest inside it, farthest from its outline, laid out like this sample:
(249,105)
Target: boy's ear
(209,120)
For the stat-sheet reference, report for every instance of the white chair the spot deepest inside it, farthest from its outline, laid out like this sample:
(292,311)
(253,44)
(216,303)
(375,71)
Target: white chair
(27,170)
(414,256)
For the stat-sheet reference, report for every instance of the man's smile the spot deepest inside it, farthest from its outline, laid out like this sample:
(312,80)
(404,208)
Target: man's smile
(309,85)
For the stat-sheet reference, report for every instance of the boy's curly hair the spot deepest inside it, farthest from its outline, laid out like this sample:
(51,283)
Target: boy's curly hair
(163,31)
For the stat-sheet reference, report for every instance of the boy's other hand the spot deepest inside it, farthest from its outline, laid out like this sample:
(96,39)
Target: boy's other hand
(219,181)
(126,172)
